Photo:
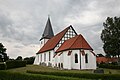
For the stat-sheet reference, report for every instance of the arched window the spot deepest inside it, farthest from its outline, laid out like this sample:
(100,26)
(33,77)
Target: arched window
(86,58)
(76,58)
(59,65)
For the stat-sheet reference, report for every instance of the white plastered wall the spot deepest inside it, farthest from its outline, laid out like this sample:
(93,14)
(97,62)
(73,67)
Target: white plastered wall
(73,64)
(91,60)
(47,57)
(36,61)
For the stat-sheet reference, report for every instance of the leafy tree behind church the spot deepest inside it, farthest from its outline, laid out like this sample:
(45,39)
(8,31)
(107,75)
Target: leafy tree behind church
(3,55)
(19,58)
(29,60)
(111,36)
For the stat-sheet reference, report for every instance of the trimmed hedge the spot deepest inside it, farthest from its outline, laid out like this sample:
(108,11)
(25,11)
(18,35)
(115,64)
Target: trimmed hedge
(80,75)
(15,64)
(22,76)
(29,61)
(2,66)
(12,64)
(109,66)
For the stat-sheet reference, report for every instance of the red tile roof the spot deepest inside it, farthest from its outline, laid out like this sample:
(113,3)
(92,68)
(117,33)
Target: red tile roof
(106,60)
(77,42)
(51,43)
(101,59)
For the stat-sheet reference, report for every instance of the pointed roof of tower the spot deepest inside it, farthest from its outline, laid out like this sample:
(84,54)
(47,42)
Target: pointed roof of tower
(48,31)
(77,42)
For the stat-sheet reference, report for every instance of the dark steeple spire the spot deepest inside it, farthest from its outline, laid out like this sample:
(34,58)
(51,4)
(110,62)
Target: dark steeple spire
(48,31)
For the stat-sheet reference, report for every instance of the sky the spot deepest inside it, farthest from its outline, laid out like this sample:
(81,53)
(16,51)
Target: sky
(22,21)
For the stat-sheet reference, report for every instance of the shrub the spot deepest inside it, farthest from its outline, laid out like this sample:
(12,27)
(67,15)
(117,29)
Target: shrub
(49,64)
(43,64)
(15,64)
(2,66)
(80,75)
(29,60)
(109,66)
(114,63)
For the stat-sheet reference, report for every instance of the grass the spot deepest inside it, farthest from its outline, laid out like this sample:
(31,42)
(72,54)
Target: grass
(113,71)
(49,69)
(6,75)
(45,68)
(36,68)
(23,70)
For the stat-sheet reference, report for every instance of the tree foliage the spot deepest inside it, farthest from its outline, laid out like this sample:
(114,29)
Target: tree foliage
(100,55)
(19,58)
(3,55)
(29,60)
(111,36)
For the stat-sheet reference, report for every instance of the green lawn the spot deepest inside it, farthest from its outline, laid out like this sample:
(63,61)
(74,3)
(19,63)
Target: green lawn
(24,70)
(45,68)
(49,72)
(49,69)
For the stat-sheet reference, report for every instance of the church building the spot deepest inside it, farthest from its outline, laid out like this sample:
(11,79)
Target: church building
(65,50)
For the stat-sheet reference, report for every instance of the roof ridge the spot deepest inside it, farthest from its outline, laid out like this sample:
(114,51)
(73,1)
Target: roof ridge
(73,29)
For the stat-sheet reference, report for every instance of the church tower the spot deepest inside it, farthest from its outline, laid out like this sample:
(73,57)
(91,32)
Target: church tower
(47,34)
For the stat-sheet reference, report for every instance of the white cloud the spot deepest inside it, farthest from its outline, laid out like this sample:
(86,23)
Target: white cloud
(22,21)
(15,49)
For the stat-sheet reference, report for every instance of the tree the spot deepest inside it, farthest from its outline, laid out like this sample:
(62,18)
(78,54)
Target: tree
(19,58)
(111,36)
(100,55)
(29,60)
(3,55)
